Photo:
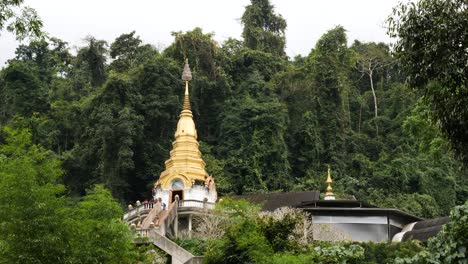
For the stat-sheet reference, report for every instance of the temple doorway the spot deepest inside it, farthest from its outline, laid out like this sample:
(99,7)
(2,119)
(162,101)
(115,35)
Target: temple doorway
(180,193)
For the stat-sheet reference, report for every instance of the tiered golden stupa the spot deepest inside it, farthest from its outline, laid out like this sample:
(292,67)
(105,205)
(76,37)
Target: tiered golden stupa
(185,173)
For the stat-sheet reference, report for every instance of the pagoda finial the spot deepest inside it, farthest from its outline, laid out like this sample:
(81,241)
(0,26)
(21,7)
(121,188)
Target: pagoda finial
(186,76)
(329,194)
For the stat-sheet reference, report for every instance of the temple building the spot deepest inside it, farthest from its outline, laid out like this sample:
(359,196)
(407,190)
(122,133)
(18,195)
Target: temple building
(185,175)
(335,219)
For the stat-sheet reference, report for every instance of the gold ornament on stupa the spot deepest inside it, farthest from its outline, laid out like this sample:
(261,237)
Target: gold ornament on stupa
(329,194)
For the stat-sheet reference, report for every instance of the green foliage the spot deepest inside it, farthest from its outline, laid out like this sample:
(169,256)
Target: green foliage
(252,140)
(387,253)
(128,52)
(263,29)
(21,20)
(278,232)
(338,254)
(290,258)
(275,231)
(98,234)
(366,253)
(431,46)
(450,244)
(31,206)
(210,85)
(266,123)
(51,57)
(195,246)
(238,210)
(281,229)
(216,167)
(125,128)
(199,48)
(422,205)
(243,242)
(329,73)
(91,60)
(112,127)
(22,91)
(38,225)
(124,51)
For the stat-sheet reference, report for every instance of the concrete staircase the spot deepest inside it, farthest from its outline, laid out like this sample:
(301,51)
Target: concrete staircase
(157,226)
(153,215)
(178,254)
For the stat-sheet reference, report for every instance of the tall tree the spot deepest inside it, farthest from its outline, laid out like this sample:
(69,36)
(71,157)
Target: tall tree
(371,58)
(252,139)
(22,91)
(264,30)
(98,234)
(431,45)
(52,58)
(329,65)
(92,60)
(40,226)
(109,133)
(31,205)
(210,85)
(128,52)
(126,131)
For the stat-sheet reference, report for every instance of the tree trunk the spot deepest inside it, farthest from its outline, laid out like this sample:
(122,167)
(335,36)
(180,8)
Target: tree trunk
(360,117)
(375,99)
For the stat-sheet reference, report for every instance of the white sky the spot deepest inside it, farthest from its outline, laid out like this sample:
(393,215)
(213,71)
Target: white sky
(154,20)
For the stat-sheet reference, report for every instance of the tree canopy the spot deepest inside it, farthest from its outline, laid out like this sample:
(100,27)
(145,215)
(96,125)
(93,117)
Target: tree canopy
(431,45)
(84,132)
(266,122)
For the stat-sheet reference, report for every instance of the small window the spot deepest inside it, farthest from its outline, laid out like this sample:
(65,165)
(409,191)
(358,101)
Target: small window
(177,184)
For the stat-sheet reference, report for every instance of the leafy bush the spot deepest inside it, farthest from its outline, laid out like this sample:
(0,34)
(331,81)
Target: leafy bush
(99,236)
(338,254)
(195,246)
(243,241)
(285,228)
(387,253)
(39,225)
(290,258)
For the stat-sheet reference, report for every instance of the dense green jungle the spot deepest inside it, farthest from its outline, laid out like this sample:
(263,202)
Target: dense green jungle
(390,120)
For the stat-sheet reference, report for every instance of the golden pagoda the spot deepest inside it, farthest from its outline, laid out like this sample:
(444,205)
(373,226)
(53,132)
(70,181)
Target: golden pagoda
(185,173)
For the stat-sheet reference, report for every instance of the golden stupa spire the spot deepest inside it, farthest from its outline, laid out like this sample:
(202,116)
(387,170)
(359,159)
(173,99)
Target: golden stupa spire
(329,194)
(185,162)
(186,76)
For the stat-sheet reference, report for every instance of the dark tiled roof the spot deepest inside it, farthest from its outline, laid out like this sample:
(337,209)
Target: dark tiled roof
(422,234)
(310,202)
(272,201)
(357,211)
(336,203)
(432,222)
(423,230)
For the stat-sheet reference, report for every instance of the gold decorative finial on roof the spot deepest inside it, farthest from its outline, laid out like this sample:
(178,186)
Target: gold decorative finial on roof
(329,194)
(186,76)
